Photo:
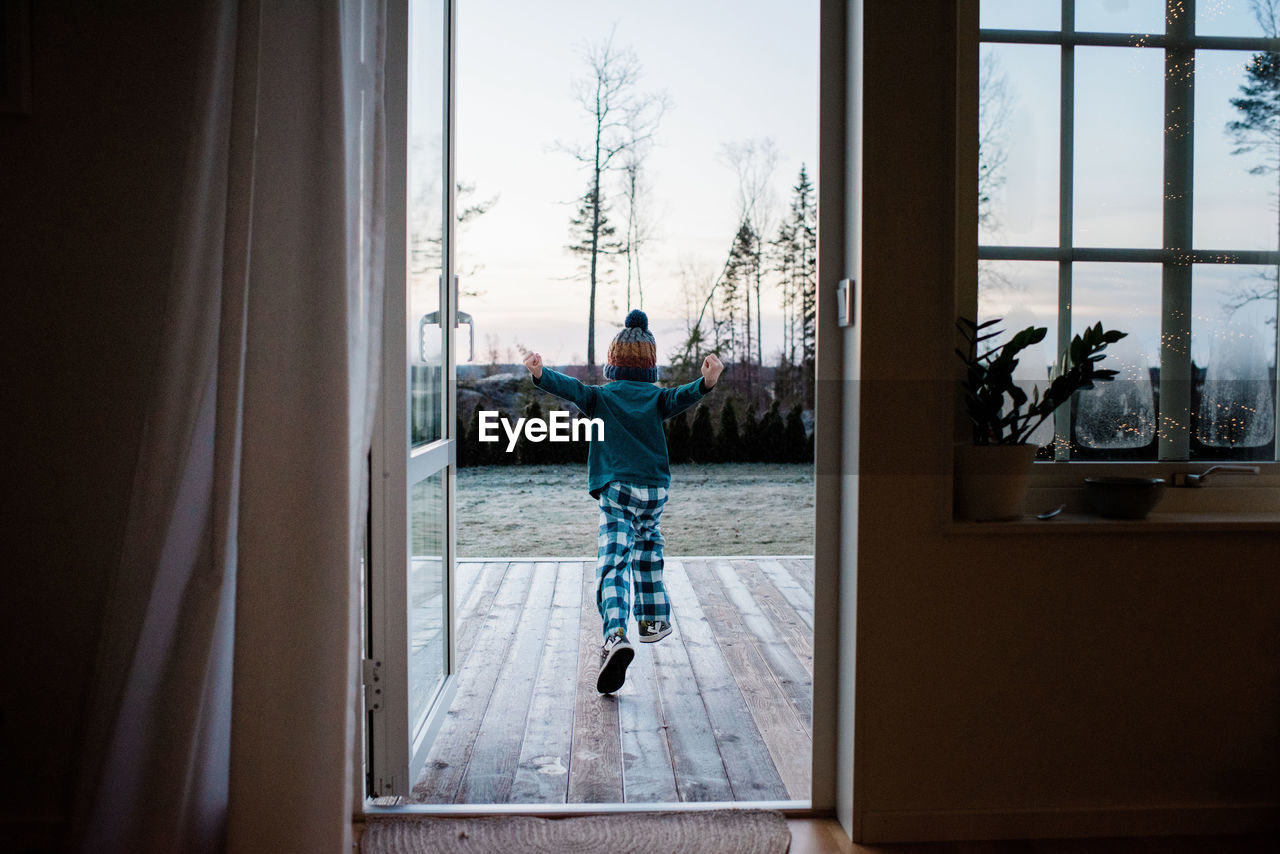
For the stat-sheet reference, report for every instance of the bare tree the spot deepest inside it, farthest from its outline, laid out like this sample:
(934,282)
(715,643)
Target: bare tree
(698,284)
(995,109)
(639,226)
(1257,131)
(623,119)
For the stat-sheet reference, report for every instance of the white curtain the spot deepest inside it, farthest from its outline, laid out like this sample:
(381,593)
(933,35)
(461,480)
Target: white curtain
(223,714)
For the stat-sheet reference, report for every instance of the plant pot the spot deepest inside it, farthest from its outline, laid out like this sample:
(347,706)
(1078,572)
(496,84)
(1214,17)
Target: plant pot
(992,480)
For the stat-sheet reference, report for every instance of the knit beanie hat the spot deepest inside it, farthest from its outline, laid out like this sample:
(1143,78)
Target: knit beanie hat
(633,354)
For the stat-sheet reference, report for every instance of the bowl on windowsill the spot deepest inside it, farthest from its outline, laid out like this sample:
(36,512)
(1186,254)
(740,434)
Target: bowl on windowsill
(1123,497)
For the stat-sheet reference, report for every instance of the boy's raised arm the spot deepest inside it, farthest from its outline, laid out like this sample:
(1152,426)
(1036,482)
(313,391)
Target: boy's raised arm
(678,399)
(564,387)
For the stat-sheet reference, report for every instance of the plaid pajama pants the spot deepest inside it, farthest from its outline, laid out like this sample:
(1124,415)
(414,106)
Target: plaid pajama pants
(630,555)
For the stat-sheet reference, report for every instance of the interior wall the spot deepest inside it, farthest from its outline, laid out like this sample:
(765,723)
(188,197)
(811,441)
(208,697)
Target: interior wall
(90,192)
(1033,684)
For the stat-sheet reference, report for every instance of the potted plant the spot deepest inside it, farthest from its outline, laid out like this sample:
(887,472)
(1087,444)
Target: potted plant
(991,473)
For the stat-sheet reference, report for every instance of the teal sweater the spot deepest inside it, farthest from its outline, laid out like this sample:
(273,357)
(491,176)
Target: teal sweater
(634,449)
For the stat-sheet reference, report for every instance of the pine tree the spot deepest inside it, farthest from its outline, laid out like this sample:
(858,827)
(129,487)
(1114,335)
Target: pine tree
(799,446)
(752,445)
(702,439)
(729,436)
(734,321)
(794,258)
(530,453)
(678,438)
(783,252)
(477,451)
(595,241)
(771,435)
(576,452)
(804,219)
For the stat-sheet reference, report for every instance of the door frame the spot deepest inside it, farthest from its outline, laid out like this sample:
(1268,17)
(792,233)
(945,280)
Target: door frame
(394,752)
(835,432)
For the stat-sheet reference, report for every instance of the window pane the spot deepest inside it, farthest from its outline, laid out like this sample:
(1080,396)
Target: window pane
(1023,293)
(424,331)
(1234,209)
(1233,346)
(1120,16)
(1020,15)
(1119,145)
(427,605)
(1117,420)
(1018,145)
(1228,18)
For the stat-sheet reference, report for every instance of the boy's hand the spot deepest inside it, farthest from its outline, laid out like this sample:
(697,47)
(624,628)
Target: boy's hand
(711,368)
(533,362)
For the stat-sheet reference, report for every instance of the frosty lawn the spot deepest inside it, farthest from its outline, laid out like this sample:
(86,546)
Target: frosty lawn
(721,509)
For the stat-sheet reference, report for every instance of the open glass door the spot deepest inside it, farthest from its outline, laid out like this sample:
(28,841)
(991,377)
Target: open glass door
(408,674)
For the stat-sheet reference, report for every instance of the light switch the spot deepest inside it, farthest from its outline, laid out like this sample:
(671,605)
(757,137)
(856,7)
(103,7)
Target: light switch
(844,302)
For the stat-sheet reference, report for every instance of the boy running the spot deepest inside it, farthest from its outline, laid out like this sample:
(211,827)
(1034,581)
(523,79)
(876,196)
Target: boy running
(629,474)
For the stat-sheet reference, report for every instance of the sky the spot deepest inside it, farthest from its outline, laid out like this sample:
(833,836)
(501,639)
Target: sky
(733,70)
(1118,191)
(736,71)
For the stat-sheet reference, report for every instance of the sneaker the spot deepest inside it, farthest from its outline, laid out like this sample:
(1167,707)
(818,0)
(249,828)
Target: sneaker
(615,655)
(655,631)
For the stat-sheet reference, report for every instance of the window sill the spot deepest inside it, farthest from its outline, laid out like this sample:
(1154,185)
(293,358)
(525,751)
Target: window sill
(1210,508)
(1157,523)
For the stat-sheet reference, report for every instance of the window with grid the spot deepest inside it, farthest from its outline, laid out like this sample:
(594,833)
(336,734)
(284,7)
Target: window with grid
(1129,173)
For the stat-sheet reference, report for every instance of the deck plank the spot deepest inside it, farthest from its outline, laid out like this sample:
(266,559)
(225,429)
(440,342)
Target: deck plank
(802,570)
(701,675)
(790,589)
(779,613)
(491,772)
(465,576)
(785,665)
(783,733)
(647,773)
(451,752)
(473,610)
(595,761)
(542,775)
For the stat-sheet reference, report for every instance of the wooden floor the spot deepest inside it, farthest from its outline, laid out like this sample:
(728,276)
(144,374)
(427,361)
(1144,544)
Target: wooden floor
(826,836)
(721,710)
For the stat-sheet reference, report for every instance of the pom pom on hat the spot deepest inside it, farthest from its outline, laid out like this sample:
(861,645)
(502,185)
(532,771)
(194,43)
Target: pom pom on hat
(633,354)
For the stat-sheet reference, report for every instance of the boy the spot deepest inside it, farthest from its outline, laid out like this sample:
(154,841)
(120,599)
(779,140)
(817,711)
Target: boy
(629,474)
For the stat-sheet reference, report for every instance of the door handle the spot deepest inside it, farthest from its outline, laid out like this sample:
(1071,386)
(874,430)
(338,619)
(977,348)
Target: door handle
(460,317)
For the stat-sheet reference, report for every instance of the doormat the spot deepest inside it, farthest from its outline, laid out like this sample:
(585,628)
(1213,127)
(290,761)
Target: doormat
(709,832)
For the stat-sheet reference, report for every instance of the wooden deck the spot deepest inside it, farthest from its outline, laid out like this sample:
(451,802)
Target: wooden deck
(721,710)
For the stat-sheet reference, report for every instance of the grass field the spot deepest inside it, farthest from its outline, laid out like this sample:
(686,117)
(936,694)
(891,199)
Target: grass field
(725,509)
